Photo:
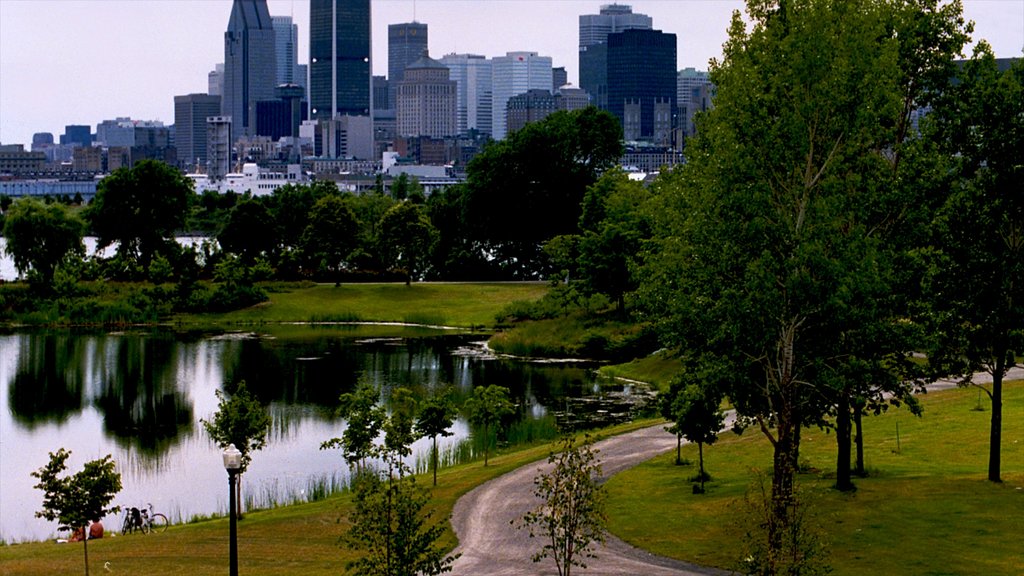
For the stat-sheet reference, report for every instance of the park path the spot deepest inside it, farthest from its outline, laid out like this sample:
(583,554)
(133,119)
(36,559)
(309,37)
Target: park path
(490,544)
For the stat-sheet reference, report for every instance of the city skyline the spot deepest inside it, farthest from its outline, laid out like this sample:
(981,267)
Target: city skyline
(68,62)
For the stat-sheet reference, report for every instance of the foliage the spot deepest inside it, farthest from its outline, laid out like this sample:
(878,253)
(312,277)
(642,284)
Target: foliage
(330,236)
(777,253)
(406,239)
(571,517)
(40,237)
(74,501)
(249,231)
(435,418)
(695,412)
(139,208)
(240,420)
(974,289)
(486,407)
(364,418)
(538,175)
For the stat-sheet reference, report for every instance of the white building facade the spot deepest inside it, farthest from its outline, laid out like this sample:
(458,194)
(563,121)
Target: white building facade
(512,74)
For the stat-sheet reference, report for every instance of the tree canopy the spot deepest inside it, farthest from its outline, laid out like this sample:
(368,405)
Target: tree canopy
(42,236)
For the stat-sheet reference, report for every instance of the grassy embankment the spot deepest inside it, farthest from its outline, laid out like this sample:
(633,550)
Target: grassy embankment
(298,539)
(926,507)
(449,304)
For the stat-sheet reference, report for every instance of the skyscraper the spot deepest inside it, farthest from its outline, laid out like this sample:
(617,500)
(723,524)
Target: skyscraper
(339,58)
(426,100)
(642,83)
(286,51)
(190,114)
(515,73)
(473,79)
(407,43)
(249,64)
(594,31)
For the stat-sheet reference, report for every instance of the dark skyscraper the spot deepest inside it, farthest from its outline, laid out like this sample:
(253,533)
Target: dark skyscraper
(249,64)
(190,114)
(407,43)
(339,58)
(594,31)
(642,83)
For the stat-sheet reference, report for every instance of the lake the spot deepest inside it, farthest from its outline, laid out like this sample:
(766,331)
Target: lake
(140,396)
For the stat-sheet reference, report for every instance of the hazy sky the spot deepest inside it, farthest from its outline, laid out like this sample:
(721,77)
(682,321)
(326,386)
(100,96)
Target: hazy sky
(83,61)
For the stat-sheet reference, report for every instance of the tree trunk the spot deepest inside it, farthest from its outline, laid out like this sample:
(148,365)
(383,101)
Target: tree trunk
(843,432)
(700,452)
(679,449)
(85,548)
(858,414)
(996,431)
(434,452)
(783,483)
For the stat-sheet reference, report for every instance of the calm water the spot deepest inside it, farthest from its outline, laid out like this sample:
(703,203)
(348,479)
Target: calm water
(140,397)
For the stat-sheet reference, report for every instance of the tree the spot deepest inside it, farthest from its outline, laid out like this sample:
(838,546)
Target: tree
(139,208)
(249,231)
(976,292)
(435,418)
(331,234)
(40,237)
(364,418)
(391,523)
(76,500)
(524,190)
(486,407)
(240,420)
(773,235)
(406,238)
(696,415)
(571,516)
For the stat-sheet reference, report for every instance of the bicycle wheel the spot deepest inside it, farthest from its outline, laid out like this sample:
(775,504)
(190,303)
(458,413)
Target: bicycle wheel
(126,527)
(158,523)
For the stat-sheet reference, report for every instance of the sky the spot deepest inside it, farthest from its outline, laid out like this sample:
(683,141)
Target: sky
(84,61)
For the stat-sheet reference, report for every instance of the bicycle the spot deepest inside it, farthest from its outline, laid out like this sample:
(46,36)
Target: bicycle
(144,520)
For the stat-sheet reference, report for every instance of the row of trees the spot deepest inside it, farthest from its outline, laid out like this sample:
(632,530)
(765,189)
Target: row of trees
(519,193)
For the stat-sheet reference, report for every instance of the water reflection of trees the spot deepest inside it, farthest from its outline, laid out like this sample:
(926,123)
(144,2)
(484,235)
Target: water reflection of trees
(48,385)
(139,395)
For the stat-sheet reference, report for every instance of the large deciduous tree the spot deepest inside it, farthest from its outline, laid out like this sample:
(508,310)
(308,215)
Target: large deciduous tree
(977,286)
(140,208)
(249,231)
(75,500)
(776,232)
(524,190)
(331,235)
(40,237)
(406,239)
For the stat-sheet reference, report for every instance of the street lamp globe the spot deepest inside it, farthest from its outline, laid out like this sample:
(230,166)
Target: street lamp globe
(232,458)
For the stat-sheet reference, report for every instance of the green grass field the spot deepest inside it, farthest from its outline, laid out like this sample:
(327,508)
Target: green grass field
(456,304)
(925,509)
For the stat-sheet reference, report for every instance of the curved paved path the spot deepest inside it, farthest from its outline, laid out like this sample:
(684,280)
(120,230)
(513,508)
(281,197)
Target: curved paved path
(491,545)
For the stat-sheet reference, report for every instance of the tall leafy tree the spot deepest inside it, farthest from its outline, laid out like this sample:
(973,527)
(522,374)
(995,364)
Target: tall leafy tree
(976,289)
(406,239)
(249,231)
(140,208)
(331,235)
(526,189)
(240,420)
(42,236)
(80,498)
(435,418)
(364,418)
(769,240)
(486,407)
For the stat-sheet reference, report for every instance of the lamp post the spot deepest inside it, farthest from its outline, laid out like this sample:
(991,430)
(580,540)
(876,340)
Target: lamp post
(232,463)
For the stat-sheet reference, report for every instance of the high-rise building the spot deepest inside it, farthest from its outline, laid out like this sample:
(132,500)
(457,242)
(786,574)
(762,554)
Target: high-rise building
(559,78)
(515,73)
(218,146)
(572,98)
(249,64)
(215,81)
(339,58)
(407,43)
(694,93)
(531,106)
(642,84)
(76,134)
(190,114)
(286,45)
(473,79)
(426,100)
(281,117)
(594,31)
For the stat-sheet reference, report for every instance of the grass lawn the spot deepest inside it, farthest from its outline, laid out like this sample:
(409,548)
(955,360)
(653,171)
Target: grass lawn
(451,304)
(925,509)
(293,540)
